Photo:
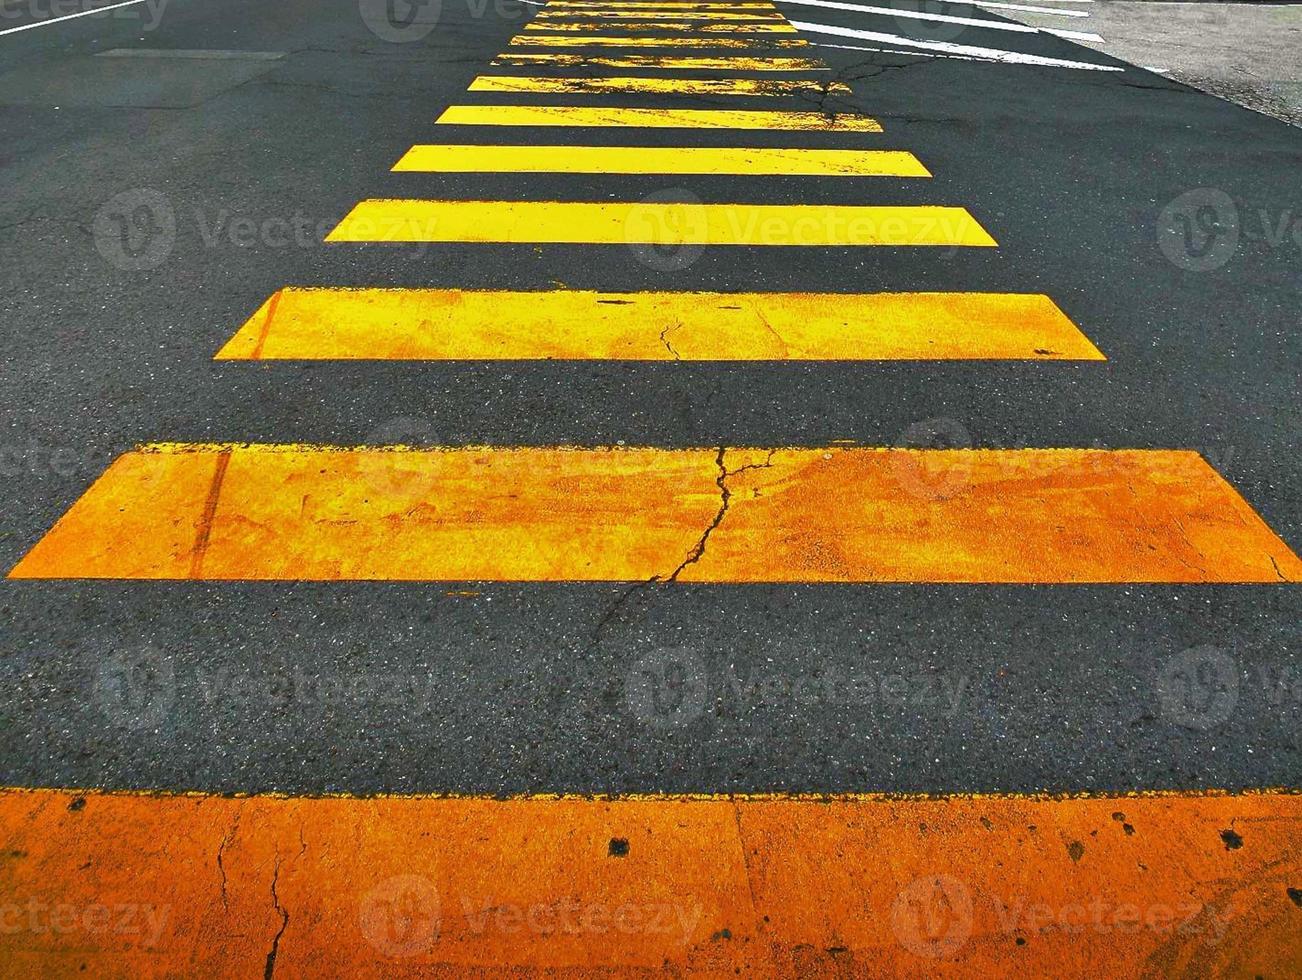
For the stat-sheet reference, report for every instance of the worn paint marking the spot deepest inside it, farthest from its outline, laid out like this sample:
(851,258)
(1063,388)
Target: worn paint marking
(648,118)
(454,324)
(568,5)
(558,514)
(602,40)
(559,5)
(673,62)
(658,86)
(658,223)
(447,158)
(688,27)
(753,886)
(688,15)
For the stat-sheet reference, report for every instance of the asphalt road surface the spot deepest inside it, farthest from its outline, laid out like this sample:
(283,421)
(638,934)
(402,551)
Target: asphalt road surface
(170,166)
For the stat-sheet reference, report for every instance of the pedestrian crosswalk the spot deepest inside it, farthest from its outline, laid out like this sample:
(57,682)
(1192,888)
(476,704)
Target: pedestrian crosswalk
(727,514)
(769,885)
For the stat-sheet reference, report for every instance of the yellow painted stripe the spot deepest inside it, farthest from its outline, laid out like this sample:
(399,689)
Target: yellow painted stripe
(128,885)
(839,514)
(565,5)
(630,223)
(647,118)
(685,26)
(657,86)
(661,61)
(765,161)
(605,40)
(560,5)
(453,324)
(675,15)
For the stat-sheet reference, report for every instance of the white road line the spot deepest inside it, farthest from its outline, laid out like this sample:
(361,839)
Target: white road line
(80,13)
(994,54)
(1073,35)
(911,54)
(1024,8)
(991,25)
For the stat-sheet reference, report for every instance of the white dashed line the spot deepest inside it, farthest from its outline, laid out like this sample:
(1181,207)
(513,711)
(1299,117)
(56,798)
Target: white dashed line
(80,13)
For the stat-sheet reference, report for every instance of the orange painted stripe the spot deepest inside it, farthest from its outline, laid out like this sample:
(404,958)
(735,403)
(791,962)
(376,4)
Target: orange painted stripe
(454,324)
(841,514)
(101,884)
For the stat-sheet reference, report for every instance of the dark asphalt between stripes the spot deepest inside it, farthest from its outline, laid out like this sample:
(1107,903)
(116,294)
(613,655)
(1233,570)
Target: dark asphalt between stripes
(596,688)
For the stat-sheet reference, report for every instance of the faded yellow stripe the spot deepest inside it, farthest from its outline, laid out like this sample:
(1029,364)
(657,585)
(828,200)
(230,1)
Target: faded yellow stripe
(454,324)
(576,5)
(768,8)
(672,15)
(627,223)
(752,887)
(657,86)
(559,5)
(686,26)
(758,161)
(838,514)
(662,61)
(606,40)
(567,115)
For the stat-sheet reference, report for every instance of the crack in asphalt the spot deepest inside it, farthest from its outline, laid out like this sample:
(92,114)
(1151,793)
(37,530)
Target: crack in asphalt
(269,970)
(697,551)
(221,849)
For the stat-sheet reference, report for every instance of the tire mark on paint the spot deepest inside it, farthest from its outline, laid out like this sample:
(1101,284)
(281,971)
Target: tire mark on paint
(209,511)
(266,326)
